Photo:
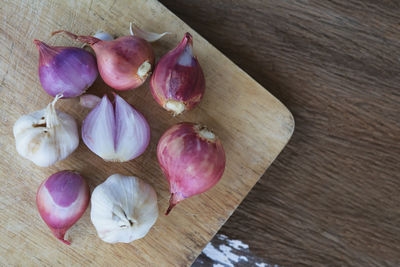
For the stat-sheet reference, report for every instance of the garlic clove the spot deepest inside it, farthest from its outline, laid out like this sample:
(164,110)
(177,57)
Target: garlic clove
(148,36)
(124,208)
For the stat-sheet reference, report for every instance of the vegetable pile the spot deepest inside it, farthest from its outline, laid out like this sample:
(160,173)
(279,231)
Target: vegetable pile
(123,208)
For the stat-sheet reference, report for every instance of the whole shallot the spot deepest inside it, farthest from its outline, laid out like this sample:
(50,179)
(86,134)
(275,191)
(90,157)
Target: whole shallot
(178,83)
(66,70)
(192,159)
(61,200)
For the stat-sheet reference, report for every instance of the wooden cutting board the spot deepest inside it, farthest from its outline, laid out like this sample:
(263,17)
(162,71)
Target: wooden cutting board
(253,125)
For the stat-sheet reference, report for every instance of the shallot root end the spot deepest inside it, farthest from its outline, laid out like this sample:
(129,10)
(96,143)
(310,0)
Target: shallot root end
(176,107)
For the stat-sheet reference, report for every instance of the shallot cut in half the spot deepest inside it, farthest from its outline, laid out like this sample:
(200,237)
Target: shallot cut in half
(115,133)
(61,200)
(192,159)
(178,83)
(66,70)
(124,63)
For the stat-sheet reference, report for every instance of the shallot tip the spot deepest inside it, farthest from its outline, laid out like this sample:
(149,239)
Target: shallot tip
(91,40)
(60,235)
(174,199)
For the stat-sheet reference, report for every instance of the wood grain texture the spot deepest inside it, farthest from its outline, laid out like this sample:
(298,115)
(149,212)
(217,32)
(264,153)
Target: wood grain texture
(252,124)
(332,197)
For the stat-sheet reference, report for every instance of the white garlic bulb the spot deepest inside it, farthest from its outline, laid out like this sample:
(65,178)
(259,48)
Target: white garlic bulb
(46,136)
(124,208)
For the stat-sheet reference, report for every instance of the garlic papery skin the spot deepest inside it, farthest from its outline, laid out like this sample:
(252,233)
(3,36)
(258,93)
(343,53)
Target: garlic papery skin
(148,36)
(46,136)
(102,35)
(118,133)
(124,208)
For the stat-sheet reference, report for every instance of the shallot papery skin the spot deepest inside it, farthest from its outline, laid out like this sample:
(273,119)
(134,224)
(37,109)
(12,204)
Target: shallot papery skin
(61,200)
(66,70)
(178,83)
(192,159)
(124,63)
(118,133)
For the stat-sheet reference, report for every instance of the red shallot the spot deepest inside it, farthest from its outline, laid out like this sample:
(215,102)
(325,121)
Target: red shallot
(177,83)
(66,70)
(192,159)
(61,200)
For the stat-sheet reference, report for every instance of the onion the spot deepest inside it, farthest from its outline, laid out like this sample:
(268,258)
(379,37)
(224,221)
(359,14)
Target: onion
(192,159)
(66,70)
(61,200)
(177,83)
(124,63)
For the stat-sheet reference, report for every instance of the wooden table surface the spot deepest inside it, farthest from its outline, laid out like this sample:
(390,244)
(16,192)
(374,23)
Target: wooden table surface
(333,196)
